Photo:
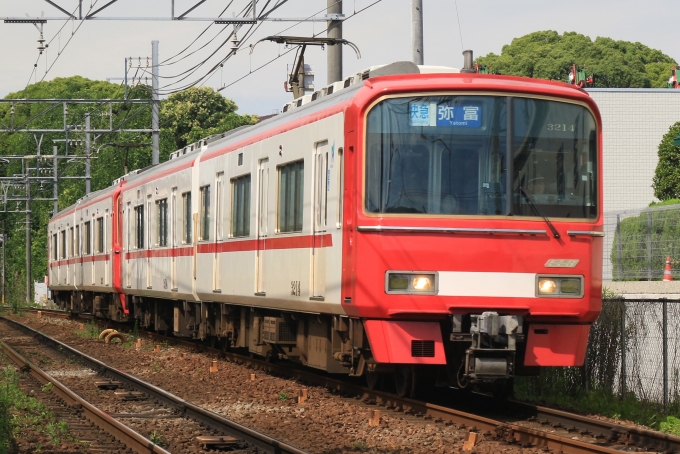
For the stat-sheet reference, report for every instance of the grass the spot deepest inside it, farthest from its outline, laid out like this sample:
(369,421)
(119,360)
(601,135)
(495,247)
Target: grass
(599,402)
(156,439)
(283,396)
(91,331)
(21,412)
(358,446)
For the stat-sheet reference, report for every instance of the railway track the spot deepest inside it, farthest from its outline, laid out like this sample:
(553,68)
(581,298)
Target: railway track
(512,421)
(218,431)
(81,416)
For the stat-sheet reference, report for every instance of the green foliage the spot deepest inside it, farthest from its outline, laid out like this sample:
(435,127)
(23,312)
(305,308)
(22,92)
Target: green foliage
(91,331)
(283,396)
(549,55)
(666,181)
(649,237)
(665,202)
(19,411)
(156,439)
(199,112)
(184,117)
(670,426)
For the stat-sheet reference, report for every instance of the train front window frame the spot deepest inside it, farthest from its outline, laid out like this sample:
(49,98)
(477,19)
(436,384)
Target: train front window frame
(425,157)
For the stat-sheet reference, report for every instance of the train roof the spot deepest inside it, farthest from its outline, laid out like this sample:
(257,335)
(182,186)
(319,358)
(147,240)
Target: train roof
(337,93)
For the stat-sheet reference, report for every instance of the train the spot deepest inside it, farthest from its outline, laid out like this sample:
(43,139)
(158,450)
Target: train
(418,226)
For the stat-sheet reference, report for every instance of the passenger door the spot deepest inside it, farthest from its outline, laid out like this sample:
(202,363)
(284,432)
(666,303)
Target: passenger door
(262,222)
(321,184)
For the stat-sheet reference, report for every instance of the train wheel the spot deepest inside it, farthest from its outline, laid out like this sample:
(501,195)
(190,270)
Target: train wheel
(404,380)
(224,344)
(374,380)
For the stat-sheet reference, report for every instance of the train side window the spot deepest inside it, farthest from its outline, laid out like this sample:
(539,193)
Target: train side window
(99,236)
(139,227)
(219,210)
(291,196)
(62,244)
(72,239)
(186,218)
(204,231)
(87,240)
(162,212)
(76,242)
(54,247)
(341,185)
(240,206)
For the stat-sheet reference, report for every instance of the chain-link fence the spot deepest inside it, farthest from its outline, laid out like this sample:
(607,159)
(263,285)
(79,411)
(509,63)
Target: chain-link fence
(633,352)
(637,242)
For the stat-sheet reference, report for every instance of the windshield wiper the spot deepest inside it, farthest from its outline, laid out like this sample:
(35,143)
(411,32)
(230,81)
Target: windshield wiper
(535,209)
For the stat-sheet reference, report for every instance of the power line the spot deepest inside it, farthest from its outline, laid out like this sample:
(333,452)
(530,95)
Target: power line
(290,50)
(69,40)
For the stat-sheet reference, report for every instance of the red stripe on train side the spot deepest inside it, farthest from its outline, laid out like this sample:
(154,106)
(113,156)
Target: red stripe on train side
(292,242)
(87,258)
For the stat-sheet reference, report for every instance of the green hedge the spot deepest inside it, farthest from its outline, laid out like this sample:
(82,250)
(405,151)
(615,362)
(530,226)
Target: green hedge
(652,233)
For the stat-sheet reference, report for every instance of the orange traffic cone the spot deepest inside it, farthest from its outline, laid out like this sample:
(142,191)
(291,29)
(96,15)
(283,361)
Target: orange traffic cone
(667,276)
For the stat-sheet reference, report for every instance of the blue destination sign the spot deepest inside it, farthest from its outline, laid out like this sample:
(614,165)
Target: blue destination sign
(432,114)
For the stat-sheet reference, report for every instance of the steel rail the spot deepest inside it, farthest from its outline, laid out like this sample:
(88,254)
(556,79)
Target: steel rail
(113,427)
(252,437)
(613,431)
(610,430)
(640,437)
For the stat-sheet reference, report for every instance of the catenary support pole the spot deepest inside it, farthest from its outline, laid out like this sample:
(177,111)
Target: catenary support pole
(418,56)
(334,52)
(28,241)
(88,151)
(155,105)
(55,181)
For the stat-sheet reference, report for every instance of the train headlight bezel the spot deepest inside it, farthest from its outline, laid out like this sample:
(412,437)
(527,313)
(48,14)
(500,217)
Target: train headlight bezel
(411,282)
(559,286)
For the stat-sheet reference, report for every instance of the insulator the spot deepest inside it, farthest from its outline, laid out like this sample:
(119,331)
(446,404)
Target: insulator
(147,62)
(234,43)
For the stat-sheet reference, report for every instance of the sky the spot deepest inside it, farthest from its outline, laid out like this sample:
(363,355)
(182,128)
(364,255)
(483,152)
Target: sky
(382,32)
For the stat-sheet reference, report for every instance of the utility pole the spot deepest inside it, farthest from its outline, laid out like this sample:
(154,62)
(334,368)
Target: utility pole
(28,241)
(155,123)
(335,51)
(418,56)
(55,185)
(87,153)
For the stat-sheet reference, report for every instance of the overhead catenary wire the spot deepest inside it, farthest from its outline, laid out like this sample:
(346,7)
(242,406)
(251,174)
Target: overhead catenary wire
(290,50)
(73,33)
(249,35)
(460,30)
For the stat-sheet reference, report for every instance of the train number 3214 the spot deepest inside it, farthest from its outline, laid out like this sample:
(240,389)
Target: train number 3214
(295,288)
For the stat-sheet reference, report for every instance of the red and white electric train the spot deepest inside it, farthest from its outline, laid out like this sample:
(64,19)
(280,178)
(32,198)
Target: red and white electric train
(411,221)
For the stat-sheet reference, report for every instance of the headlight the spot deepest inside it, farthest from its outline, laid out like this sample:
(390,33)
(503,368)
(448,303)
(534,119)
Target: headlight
(559,286)
(410,282)
(547,286)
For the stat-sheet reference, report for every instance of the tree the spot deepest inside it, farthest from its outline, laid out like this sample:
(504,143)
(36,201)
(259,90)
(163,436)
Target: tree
(199,112)
(613,64)
(666,181)
(191,115)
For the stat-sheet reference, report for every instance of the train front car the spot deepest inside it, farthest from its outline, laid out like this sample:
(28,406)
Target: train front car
(474,227)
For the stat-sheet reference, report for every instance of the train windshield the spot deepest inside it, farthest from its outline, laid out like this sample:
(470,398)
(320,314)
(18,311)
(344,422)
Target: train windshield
(451,155)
